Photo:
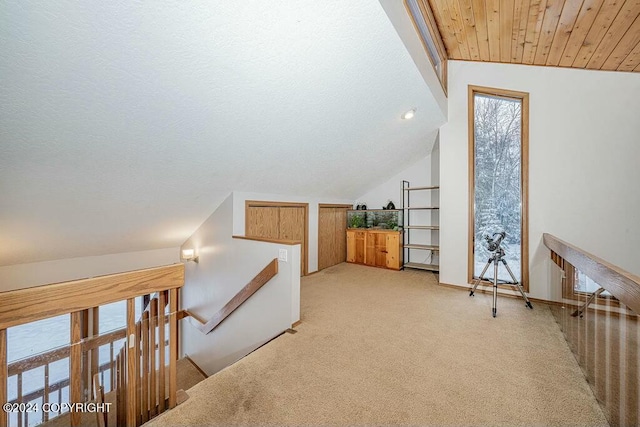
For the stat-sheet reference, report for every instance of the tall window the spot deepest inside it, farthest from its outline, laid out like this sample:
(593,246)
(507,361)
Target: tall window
(498,161)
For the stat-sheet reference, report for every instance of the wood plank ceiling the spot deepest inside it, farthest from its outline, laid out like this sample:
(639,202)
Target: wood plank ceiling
(592,34)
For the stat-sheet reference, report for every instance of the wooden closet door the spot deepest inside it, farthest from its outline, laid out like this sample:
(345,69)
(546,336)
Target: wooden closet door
(292,226)
(326,237)
(332,232)
(263,221)
(340,235)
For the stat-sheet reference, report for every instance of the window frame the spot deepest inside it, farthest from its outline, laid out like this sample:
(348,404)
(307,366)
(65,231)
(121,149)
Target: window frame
(436,38)
(523,97)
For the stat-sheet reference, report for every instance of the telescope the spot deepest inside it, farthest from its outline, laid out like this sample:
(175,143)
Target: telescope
(493,242)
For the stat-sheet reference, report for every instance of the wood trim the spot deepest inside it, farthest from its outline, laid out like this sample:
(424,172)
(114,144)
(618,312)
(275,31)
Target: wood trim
(272,204)
(471,181)
(524,175)
(31,304)
(195,365)
(304,250)
(296,324)
(330,205)
(429,19)
(524,180)
(625,286)
(267,240)
(249,289)
(4,416)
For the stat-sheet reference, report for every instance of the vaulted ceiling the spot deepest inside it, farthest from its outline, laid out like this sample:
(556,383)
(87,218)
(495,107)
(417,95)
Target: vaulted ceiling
(124,124)
(592,34)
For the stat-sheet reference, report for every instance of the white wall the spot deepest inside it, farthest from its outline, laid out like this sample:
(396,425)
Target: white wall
(42,273)
(418,174)
(239,199)
(584,148)
(225,266)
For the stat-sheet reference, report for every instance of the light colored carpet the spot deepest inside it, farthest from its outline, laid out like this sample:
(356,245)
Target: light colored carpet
(379,347)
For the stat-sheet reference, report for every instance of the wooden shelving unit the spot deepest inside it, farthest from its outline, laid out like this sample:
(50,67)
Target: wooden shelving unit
(414,234)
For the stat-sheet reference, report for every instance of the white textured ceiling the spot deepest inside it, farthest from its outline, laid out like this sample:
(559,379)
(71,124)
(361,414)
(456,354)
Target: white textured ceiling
(124,124)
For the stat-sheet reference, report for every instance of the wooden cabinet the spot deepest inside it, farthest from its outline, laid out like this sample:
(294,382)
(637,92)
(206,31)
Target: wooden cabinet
(377,248)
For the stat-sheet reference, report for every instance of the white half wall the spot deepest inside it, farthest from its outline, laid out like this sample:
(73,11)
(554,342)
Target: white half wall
(42,273)
(583,164)
(239,199)
(225,266)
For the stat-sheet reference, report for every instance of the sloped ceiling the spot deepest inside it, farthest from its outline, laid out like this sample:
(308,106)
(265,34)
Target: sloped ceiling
(124,124)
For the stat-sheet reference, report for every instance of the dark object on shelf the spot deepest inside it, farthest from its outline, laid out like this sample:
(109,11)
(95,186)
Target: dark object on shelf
(363,207)
(390,205)
(359,207)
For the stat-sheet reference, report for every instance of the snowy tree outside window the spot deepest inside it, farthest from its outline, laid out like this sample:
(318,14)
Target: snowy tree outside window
(497,181)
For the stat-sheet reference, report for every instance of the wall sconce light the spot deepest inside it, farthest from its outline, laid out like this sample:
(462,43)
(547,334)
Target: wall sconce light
(189,255)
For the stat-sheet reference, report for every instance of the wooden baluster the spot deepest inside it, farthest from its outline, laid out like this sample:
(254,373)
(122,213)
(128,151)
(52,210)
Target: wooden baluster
(122,386)
(45,398)
(4,416)
(19,379)
(85,368)
(131,381)
(153,395)
(75,369)
(173,346)
(138,376)
(95,353)
(112,373)
(145,366)
(161,351)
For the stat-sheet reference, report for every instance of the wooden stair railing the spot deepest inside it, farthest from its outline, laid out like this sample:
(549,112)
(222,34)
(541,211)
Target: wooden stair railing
(602,329)
(624,285)
(244,294)
(77,298)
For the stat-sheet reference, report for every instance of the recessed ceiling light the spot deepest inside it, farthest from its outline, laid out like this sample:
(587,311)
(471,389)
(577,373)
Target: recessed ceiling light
(409,114)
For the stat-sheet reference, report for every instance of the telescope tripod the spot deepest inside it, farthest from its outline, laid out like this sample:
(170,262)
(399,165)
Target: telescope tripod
(498,256)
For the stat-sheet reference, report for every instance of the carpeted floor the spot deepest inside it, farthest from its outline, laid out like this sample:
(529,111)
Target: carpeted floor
(379,347)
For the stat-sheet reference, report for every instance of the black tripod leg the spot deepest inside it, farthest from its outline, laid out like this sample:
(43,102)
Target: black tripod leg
(495,289)
(518,285)
(480,278)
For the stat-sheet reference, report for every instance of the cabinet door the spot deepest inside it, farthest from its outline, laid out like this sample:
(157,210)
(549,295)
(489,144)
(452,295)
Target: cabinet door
(381,249)
(370,249)
(393,258)
(360,246)
(351,246)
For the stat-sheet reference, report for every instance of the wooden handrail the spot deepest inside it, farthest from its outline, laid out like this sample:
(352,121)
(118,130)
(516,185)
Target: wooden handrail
(249,289)
(41,302)
(625,286)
